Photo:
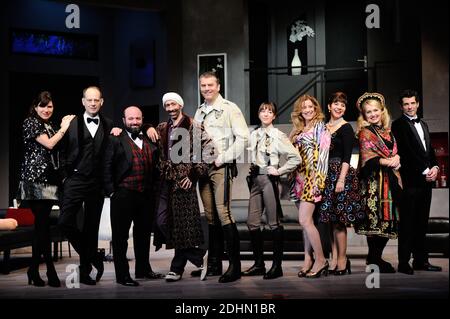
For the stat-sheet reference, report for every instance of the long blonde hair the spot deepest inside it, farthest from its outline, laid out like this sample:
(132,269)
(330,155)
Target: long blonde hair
(372,101)
(296,116)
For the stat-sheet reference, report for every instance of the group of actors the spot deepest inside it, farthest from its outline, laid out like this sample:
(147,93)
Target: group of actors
(151,175)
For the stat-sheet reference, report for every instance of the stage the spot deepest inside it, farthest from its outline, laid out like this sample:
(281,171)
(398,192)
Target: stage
(428,285)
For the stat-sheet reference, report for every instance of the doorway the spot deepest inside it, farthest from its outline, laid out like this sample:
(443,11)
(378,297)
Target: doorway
(392,52)
(346,47)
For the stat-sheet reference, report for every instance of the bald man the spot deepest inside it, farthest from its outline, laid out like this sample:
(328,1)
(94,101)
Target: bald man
(82,150)
(129,179)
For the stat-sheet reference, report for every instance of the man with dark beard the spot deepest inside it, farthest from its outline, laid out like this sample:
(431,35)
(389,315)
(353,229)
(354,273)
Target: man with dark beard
(130,173)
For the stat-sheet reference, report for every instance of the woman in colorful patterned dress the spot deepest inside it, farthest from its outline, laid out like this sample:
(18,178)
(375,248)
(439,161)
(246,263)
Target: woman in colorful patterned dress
(39,179)
(340,205)
(312,139)
(380,178)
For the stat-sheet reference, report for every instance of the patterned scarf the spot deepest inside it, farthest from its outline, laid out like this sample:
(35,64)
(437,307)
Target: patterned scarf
(371,146)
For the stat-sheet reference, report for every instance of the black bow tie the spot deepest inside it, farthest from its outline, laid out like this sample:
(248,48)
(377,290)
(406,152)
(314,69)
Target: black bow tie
(90,119)
(416,120)
(137,135)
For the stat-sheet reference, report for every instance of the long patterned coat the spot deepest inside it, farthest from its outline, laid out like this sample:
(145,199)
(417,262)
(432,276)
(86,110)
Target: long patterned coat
(183,211)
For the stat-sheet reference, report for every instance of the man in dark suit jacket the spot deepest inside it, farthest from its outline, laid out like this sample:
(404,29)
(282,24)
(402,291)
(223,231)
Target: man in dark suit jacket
(81,160)
(419,169)
(130,180)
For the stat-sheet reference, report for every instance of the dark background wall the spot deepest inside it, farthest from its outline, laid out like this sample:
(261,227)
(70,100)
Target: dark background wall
(434,47)
(210,26)
(395,51)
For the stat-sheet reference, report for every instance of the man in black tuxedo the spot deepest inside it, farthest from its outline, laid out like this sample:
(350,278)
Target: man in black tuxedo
(130,179)
(82,160)
(419,169)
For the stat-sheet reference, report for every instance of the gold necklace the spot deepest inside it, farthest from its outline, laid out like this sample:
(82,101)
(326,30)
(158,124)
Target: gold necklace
(333,127)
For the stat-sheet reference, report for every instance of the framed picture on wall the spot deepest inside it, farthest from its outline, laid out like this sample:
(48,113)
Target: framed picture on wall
(216,62)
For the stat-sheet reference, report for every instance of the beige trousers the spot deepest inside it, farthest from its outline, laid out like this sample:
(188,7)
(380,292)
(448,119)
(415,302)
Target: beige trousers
(212,190)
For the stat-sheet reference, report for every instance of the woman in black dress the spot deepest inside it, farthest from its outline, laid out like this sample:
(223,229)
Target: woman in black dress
(39,179)
(340,205)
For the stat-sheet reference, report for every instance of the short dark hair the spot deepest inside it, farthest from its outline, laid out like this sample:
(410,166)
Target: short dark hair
(408,93)
(210,74)
(338,97)
(42,99)
(271,106)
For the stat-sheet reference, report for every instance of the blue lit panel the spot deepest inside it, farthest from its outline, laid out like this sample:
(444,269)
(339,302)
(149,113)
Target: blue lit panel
(54,44)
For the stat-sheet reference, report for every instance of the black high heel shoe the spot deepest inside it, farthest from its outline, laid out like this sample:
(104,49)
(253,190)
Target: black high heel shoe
(302,273)
(317,274)
(345,270)
(53,280)
(34,278)
(332,271)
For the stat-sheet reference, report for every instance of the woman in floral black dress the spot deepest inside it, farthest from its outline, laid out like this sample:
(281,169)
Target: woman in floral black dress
(341,202)
(39,180)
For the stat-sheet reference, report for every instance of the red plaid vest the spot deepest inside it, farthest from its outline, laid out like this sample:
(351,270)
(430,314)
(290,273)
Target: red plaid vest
(142,160)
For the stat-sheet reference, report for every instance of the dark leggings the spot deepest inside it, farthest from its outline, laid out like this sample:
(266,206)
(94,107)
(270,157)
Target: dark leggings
(41,240)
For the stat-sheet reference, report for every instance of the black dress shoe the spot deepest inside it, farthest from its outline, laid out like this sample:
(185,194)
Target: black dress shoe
(385,267)
(150,275)
(255,271)
(213,269)
(233,273)
(127,281)
(87,280)
(274,272)
(405,269)
(426,266)
(100,269)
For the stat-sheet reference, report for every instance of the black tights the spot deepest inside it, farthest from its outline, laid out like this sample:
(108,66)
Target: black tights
(41,239)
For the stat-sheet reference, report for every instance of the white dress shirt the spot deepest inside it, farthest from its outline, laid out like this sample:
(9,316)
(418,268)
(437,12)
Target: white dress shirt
(139,142)
(419,130)
(92,127)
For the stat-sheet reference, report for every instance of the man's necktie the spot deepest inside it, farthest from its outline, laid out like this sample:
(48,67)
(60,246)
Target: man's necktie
(90,119)
(137,135)
(416,120)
